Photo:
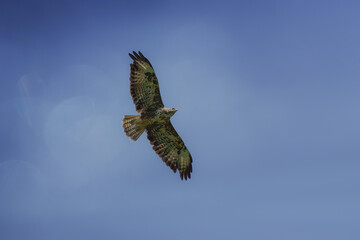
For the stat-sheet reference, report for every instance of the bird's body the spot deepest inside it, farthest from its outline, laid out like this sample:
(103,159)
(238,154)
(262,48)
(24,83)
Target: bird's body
(154,118)
(160,115)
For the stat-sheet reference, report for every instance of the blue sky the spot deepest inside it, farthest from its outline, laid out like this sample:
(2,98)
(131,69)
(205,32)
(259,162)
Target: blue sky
(268,99)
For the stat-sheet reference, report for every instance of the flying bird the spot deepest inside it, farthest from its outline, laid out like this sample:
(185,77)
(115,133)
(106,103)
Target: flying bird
(154,118)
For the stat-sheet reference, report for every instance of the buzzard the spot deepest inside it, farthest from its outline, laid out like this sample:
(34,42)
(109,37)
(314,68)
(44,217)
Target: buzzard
(154,118)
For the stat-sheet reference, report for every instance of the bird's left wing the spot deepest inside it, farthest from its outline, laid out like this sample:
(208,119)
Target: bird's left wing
(170,147)
(144,86)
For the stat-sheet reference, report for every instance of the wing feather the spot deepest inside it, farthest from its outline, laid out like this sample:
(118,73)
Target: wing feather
(170,147)
(144,85)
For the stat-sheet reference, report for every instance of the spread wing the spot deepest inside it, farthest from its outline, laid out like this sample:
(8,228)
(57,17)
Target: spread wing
(170,147)
(144,86)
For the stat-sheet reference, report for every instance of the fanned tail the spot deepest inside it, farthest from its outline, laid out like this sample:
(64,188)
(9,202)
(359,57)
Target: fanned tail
(133,126)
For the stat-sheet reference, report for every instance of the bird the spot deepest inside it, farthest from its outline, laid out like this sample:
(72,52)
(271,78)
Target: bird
(154,118)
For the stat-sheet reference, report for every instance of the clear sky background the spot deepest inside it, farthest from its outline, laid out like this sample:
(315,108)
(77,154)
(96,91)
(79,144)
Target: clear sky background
(269,107)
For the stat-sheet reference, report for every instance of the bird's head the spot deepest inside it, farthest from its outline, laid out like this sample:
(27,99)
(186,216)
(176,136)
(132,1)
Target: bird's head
(170,111)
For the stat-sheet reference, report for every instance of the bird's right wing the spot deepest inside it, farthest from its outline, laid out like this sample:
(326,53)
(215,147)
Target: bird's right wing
(144,86)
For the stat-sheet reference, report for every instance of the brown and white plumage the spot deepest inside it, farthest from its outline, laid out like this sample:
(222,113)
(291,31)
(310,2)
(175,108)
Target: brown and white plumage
(155,118)
(169,146)
(144,86)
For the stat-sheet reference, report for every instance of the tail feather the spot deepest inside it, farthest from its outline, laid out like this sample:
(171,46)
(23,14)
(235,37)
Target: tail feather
(133,126)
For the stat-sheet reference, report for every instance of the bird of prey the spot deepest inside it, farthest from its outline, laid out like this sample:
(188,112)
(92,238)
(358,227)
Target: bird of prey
(154,118)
